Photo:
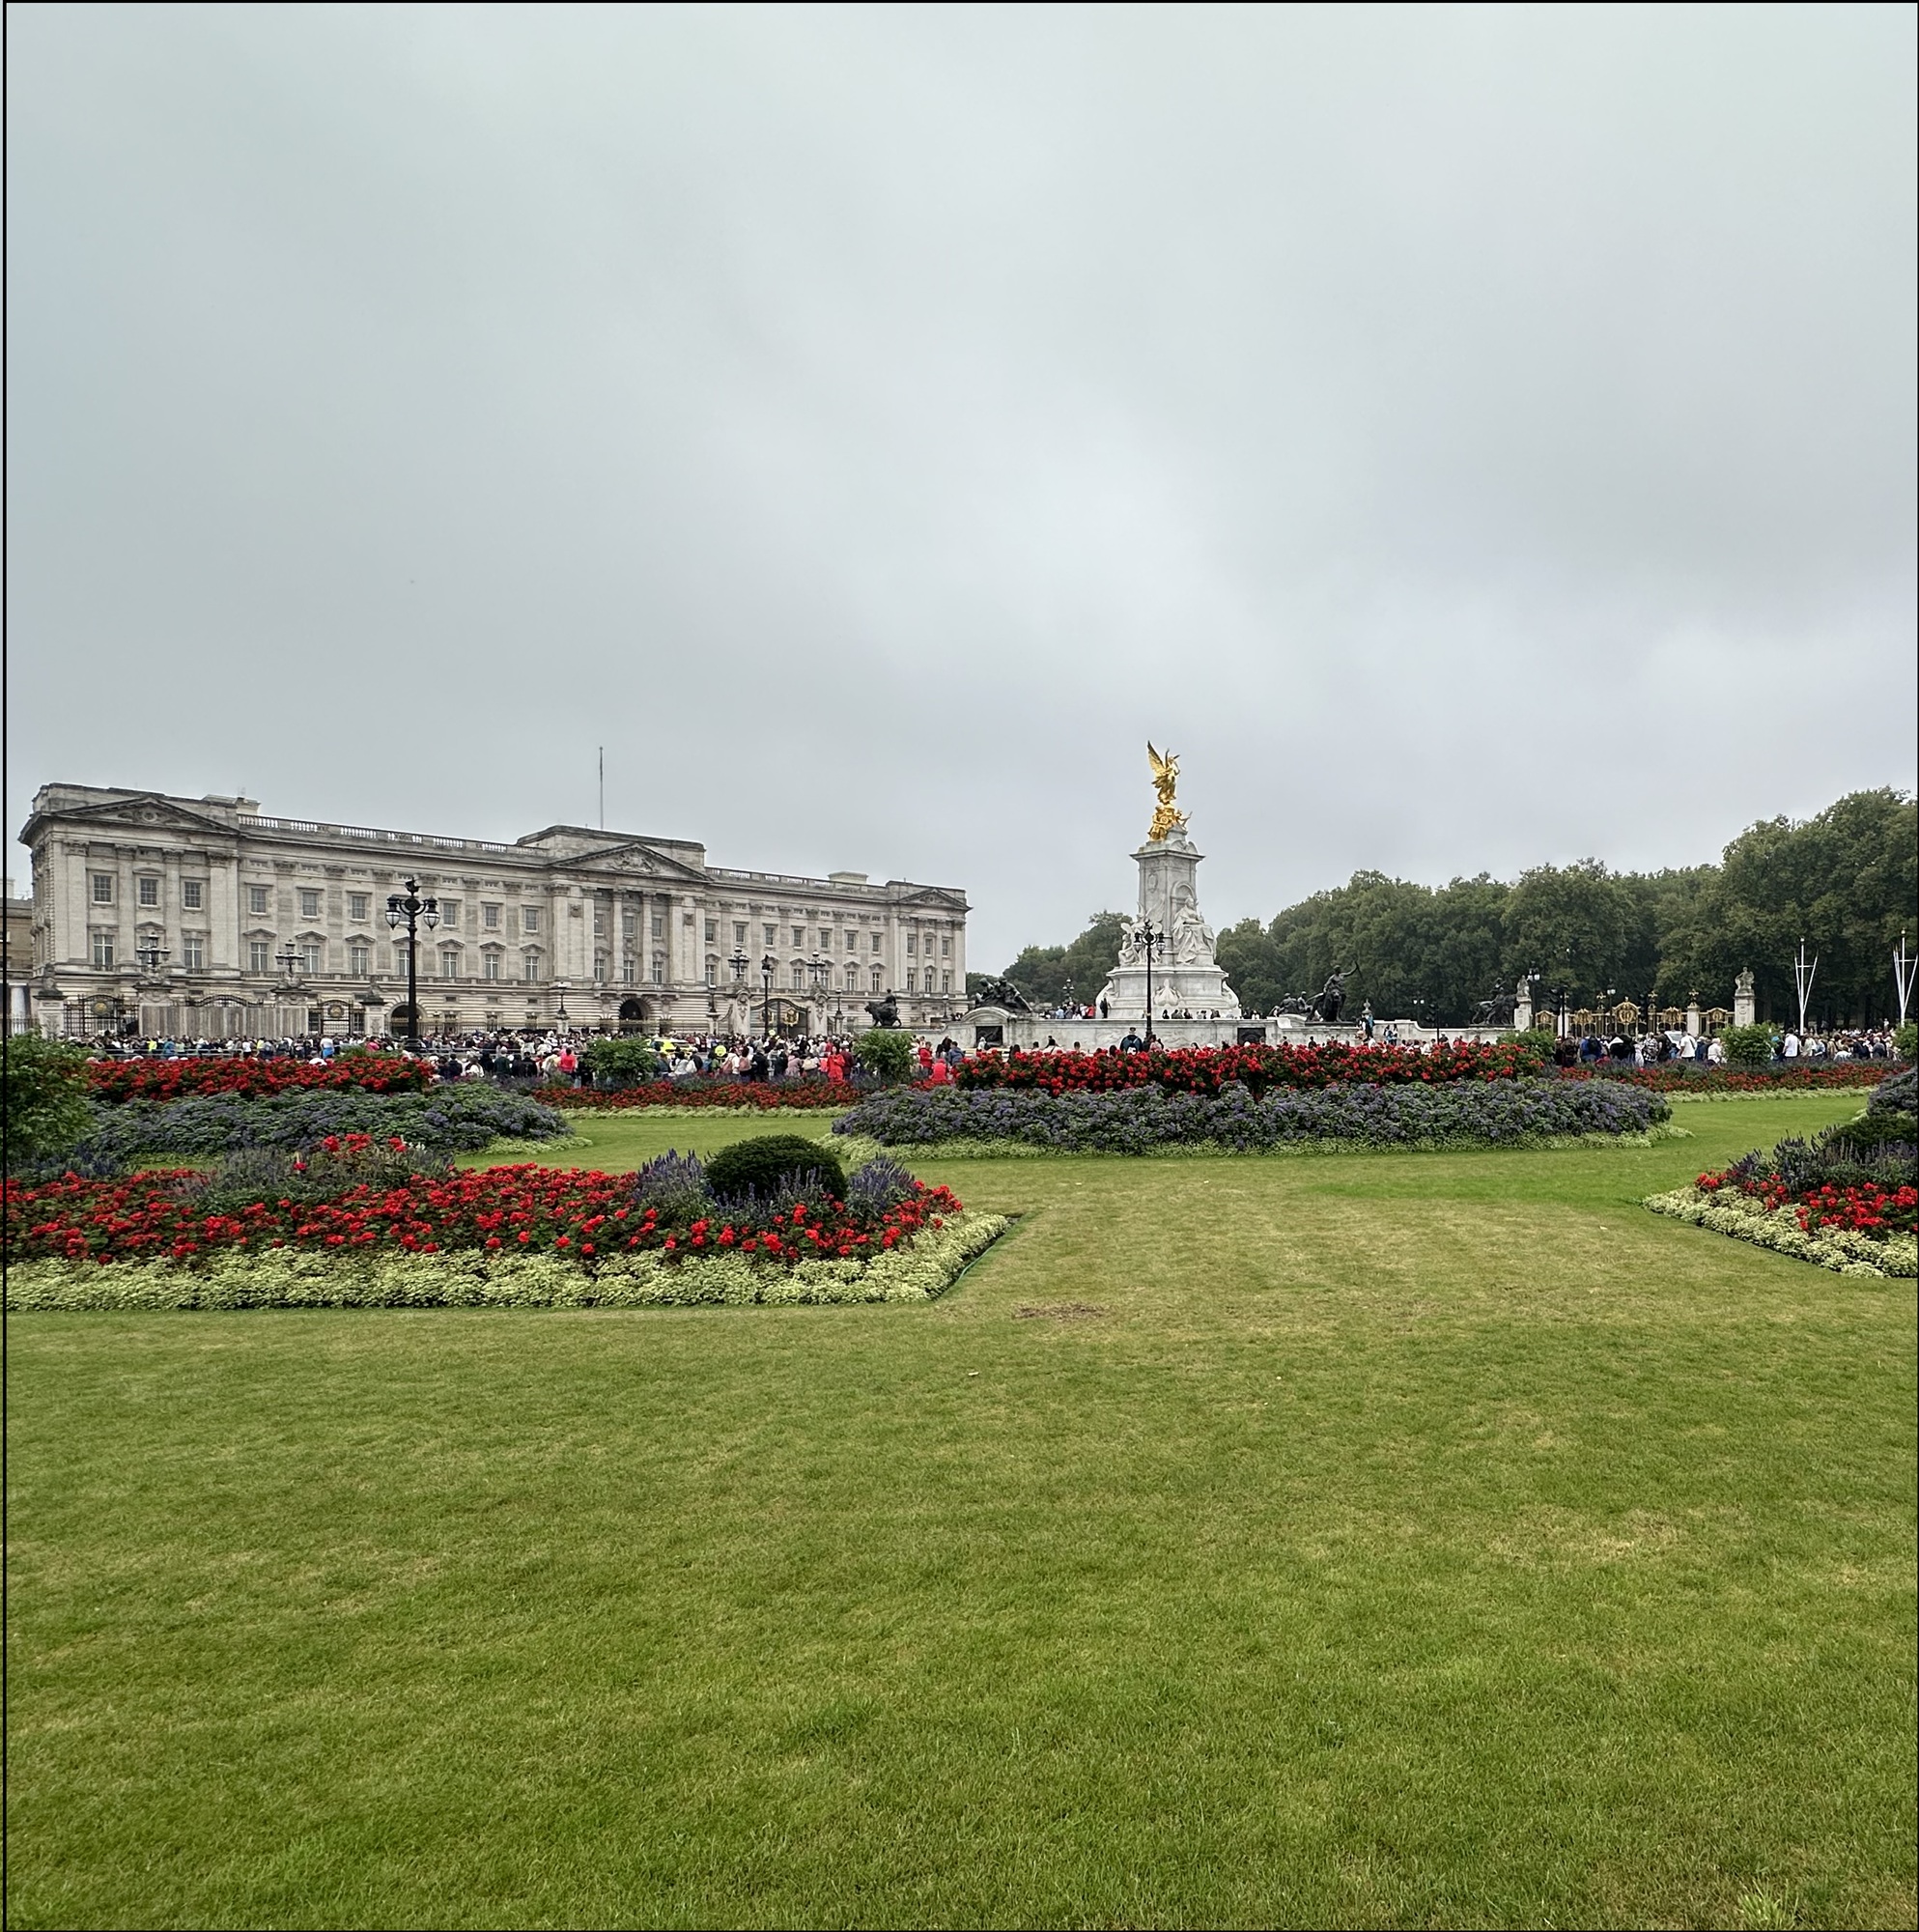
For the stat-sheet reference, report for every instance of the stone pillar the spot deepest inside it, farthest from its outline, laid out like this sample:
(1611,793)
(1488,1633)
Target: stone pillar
(1744,1005)
(1695,1024)
(1523,1005)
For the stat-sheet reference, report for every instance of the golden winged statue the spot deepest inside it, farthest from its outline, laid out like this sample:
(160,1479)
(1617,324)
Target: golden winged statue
(1165,778)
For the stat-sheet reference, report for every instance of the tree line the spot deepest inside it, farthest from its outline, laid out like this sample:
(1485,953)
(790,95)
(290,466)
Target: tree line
(1845,881)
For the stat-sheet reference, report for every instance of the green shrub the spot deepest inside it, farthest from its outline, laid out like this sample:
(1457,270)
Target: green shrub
(890,1052)
(1747,1046)
(44,1094)
(766,1163)
(1906,1040)
(1538,1039)
(622,1063)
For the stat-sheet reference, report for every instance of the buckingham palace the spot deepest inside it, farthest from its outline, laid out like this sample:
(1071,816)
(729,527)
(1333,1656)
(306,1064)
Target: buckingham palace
(205,919)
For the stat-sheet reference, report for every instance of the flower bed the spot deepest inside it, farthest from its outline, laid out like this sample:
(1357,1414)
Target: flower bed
(1791,1077)
(452,1117)
(703,1096)
(1211,1069)
(1847,1199)
(1826,1240)
(178,1238)
(112,1082)
(1146,1120)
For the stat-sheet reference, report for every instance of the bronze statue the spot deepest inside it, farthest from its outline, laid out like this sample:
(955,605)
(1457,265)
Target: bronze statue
(1165,778)
(1332,996)
(1003,993)
(884,1012)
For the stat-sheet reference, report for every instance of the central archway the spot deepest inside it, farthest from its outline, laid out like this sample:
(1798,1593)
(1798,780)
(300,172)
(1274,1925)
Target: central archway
(633,1015)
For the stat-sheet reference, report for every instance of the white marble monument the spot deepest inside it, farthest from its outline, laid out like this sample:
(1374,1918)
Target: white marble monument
(1186,978)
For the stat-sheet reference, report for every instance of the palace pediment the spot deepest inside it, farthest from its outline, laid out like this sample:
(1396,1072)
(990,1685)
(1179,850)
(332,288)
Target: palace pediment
(130,816)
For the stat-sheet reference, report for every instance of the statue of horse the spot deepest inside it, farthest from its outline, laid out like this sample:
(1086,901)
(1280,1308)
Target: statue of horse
(886,1011)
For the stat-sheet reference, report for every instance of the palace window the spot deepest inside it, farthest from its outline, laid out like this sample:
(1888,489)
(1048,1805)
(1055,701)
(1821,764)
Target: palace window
(853,978)
(945,946)
(712,931)
(313,956)
(599,922)
(798,976)
(309,903)
(400,955)
(767,934)
(879,942)
(853,942)
(529,918)
(913,941)
(193,951)
(103,889)
(449,912)
(877,976)
(256,898)
(193,895)
(629,969)
(711,968)
(490,964)
(490,918)
(357,906)
(449,962)
(529,963)
(360,958)
(799,935)
(259,956)
(659,925)
(659,969)
(149,890)
(946,982)
(911,978)
(600,968)
(103,949)
(739,932)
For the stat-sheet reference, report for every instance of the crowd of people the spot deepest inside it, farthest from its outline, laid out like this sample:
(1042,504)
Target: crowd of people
(560,1059)
(1659,1049)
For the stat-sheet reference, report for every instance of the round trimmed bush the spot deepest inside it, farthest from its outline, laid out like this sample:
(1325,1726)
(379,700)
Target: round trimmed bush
(768,1162)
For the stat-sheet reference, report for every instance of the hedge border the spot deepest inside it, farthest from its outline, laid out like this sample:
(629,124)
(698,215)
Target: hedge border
(1304,1150)
(1738,1215)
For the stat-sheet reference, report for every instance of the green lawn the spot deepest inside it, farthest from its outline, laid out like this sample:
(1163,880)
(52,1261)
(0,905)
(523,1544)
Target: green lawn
(1411,1540)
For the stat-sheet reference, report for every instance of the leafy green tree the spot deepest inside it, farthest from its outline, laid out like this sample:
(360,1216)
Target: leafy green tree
(1845,881)
(625,1061)
(890,1052)
(45,1090)
(1042,973)
(1575,926)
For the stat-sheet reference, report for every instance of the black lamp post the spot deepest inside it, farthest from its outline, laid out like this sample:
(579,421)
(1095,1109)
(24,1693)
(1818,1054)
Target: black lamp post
(1151,938)
(768,964)
(413,911)
(739,963)
(151,957)
(288,961)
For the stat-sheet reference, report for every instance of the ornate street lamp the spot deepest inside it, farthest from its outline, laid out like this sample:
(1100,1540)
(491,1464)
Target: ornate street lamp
(288,961)
(151,957)
(413,911)
(1151,938)
(768,965)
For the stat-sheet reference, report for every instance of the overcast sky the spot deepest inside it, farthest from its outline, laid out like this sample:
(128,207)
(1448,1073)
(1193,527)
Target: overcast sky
(1468,438)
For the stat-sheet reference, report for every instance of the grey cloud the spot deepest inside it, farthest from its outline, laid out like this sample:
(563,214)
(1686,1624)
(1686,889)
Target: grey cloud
(1470,438)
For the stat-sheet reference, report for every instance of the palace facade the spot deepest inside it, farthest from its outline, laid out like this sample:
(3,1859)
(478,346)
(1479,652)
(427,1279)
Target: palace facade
(205,919)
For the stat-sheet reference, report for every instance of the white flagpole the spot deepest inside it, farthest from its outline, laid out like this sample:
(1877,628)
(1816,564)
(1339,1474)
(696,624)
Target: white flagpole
(1802,977)
(1902,976)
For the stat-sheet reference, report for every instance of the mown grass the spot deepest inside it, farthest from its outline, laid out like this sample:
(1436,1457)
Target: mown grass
(1412,1539)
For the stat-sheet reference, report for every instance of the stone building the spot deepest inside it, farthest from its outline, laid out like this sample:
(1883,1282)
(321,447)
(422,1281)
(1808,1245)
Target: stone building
(205,919)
